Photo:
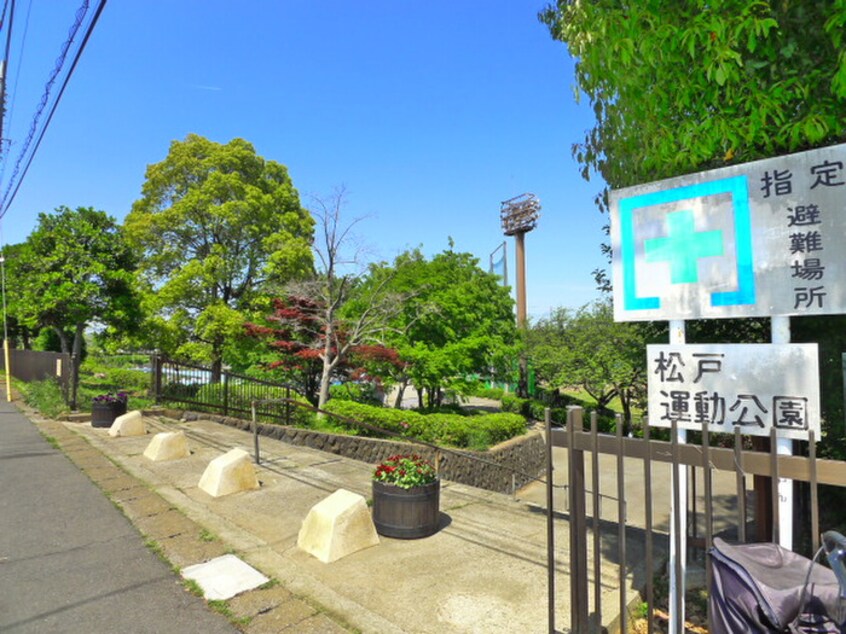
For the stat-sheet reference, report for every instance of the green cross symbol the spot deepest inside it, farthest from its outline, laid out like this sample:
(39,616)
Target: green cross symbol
(683,247)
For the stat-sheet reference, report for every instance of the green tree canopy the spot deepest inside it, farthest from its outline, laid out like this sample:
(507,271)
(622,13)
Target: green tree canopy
(456,321)
(76,270)
(678,87)
(586,348)
(215,224)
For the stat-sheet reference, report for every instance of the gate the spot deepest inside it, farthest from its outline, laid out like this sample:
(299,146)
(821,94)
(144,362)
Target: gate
(703,461)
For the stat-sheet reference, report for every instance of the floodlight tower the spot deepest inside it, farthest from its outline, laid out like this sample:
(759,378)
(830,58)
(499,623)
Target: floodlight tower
(520,215)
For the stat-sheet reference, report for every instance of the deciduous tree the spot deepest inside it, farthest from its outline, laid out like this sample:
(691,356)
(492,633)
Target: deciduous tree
(457,321)
(76,270)
(586,348)
(215,224)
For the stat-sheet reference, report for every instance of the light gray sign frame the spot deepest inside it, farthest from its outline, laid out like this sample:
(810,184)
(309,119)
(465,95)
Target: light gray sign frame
(754,386)
(758,239)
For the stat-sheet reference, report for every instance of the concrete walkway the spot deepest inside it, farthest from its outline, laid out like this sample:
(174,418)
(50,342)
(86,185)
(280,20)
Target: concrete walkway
(484,571)
(69,560)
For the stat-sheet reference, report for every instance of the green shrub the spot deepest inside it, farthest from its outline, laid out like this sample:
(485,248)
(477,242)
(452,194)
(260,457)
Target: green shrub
(442,429)
(46,396)
(128,379)
(358,392)
(516,405)
(494,393)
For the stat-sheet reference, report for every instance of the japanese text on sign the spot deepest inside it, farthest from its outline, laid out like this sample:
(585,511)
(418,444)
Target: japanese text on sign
(757,239)
(753,387)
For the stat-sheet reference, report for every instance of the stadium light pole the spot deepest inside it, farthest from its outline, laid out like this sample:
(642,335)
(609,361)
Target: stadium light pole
(519,215)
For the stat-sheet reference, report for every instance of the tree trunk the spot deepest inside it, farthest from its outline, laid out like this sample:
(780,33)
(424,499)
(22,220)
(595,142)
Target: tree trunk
(625,400)
(325,377)
(419,397)
(400,392)
(63,340)
(216,365)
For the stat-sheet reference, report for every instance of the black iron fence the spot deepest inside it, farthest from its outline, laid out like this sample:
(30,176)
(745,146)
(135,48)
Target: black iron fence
(699,462)
(229,394)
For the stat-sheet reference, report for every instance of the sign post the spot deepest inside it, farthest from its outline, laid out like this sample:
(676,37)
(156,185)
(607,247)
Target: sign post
(759,239)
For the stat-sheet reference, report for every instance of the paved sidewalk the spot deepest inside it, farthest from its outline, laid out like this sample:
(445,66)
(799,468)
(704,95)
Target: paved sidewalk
(483,572)
(69,560)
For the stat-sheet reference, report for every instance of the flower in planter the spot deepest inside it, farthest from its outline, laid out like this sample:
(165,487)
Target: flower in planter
(406,471)
(119,397)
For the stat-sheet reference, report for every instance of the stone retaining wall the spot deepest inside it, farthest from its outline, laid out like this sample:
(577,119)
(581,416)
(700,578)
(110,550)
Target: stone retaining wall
(503,468)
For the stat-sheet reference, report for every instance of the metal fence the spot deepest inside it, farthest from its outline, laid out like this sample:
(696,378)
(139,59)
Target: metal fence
(229,394)
(701,463)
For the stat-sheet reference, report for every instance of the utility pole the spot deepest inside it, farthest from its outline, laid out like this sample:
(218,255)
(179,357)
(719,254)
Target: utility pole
(519,215)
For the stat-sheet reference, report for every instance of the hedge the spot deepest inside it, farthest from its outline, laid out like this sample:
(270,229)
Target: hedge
(441,429)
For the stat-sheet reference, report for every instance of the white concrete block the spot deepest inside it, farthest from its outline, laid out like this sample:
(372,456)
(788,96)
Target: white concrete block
(230,473)
(129,424)
(337,526)
(167,446)
(224,577)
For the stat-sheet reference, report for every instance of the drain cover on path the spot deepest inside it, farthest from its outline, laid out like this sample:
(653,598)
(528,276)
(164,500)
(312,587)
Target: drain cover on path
(224,577)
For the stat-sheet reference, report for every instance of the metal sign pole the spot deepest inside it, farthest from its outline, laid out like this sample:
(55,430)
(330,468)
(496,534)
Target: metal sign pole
(780,333)
(677,579)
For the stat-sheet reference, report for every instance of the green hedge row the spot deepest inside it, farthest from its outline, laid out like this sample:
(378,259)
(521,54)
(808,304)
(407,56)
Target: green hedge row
(475,432)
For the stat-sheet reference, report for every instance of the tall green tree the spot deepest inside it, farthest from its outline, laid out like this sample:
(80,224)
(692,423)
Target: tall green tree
(678,87)
(456,321)
(76,270)
(215,225)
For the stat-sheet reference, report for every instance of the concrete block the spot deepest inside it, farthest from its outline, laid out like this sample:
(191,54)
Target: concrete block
(337,526)
(167,446)
(129,424)
(230,473)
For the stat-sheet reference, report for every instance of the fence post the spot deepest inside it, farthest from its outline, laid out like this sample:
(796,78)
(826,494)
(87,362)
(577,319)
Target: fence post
(73,381)
(226,393)
(578,526)
(287,405)
(550,526)
(156,381)
(255,429)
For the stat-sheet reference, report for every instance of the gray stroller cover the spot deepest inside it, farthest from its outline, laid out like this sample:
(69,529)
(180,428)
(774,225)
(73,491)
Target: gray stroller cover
(757,588)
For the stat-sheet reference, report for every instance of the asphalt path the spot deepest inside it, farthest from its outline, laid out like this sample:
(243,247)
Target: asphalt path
(69,560)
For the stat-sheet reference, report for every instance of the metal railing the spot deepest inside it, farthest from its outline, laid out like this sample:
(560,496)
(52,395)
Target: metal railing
(582,444)
(230,394)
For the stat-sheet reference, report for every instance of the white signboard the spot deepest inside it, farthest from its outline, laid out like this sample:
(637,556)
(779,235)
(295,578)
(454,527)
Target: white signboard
(751,386)
(757,239)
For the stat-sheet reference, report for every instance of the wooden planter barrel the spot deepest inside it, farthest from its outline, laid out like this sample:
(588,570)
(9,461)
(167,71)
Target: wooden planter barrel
(406,513)
(104,413)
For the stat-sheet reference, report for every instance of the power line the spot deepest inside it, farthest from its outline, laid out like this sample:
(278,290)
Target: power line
(4,64)
(7,200)
(10,111)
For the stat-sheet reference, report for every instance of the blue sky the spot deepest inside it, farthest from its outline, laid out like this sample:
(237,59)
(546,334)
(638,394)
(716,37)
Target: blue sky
(428,113)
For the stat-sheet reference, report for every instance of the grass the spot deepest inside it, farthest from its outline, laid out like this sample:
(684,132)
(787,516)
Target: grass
(45,396)
(206,536)
(101,375)
(193,587)
(222,608)
(615,405)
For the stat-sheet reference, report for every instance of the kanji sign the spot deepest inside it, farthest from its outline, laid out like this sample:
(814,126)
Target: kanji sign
(751,386)
(758,239)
